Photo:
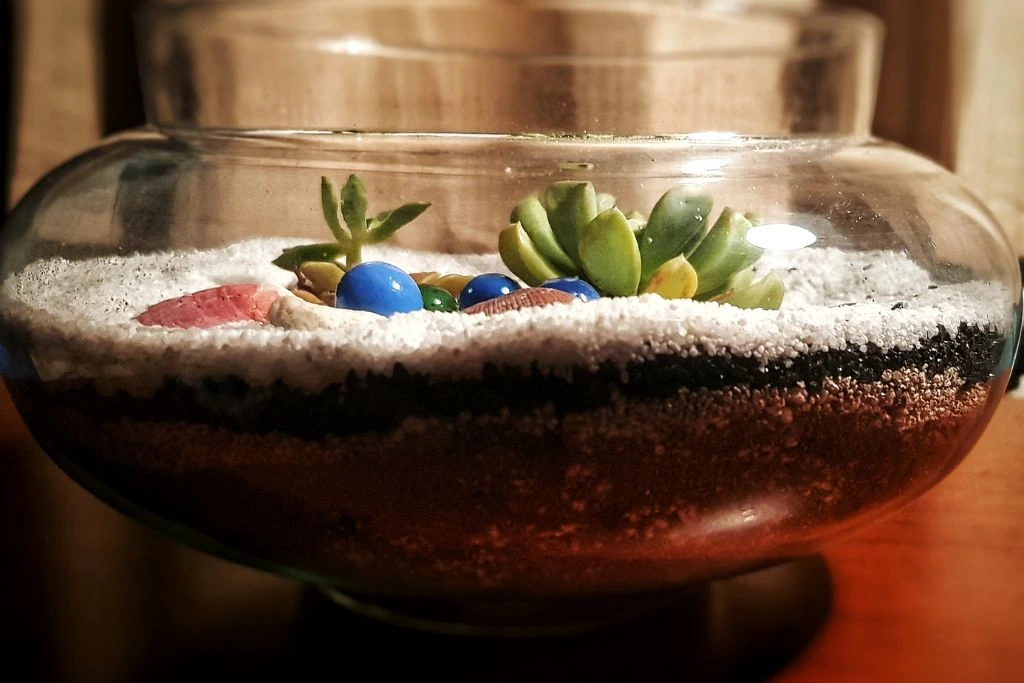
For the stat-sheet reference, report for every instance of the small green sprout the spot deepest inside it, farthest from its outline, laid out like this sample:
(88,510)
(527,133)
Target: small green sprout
(349,205)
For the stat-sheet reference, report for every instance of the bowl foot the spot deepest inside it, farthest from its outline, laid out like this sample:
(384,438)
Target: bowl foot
(744,629)
(793,597)
(522,617)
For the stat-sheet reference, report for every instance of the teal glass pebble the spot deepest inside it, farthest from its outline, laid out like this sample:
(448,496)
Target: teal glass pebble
(486,287)
(379,288)
(581,289)
(437,299)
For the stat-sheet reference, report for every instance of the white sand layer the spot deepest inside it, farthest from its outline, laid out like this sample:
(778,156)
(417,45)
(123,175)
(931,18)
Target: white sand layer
(78,317)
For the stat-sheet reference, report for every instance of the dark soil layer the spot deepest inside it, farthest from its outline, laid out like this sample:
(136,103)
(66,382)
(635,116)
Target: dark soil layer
(378,403)
(692,468)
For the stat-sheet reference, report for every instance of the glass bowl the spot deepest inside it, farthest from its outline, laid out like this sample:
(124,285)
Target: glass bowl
(795,333)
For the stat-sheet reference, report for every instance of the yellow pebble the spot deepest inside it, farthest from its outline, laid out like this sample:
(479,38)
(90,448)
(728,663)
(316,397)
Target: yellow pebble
(320,277)
(425,278)
(453,284)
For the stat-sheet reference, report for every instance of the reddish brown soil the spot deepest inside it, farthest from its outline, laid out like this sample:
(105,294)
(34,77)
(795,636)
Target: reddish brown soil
(634,495)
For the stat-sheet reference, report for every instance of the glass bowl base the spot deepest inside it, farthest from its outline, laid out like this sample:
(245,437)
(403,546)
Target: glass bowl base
(511,617)
(793,597)
(747,628)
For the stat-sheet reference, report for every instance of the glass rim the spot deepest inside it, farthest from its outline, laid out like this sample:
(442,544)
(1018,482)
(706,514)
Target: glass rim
(494,153)
(842,22)
(703,138)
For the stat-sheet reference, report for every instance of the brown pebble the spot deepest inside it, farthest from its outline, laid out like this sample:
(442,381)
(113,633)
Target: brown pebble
(308,296)
(523,298)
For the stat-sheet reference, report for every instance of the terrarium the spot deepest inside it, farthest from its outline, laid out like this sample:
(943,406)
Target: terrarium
(496,315)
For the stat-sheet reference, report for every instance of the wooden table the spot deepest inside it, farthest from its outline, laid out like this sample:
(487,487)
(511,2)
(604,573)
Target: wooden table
(935,593)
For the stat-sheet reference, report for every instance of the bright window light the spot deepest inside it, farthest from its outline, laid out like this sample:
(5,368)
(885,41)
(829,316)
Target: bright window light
(781,237)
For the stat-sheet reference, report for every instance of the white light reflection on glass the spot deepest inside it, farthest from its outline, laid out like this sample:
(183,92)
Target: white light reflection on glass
(781,237)
(349,45)
(759,513)
(704,167)
(713,136)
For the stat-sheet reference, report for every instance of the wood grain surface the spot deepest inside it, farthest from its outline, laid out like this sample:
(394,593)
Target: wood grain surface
(57,108)
(934,593)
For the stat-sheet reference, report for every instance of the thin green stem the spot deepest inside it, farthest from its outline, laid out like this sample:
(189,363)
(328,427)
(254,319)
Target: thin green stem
(354,253)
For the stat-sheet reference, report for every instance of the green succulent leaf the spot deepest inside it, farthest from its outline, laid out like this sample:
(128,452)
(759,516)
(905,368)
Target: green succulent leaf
(675,279)
(737,282)
(387,223)
(609,254)
(522,258)
(290,259)
(329,201)
(637,221)
(570,205)
(676,225)
(723,253)
(531,215)
(353,206)
(743,292)
(605,201)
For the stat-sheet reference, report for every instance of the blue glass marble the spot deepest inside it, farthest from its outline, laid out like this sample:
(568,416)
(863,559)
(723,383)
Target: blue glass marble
(486,287)
(580,289)
(379,288)
(15,362)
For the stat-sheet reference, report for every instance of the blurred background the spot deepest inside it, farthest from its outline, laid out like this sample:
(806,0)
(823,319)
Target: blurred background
(71,78)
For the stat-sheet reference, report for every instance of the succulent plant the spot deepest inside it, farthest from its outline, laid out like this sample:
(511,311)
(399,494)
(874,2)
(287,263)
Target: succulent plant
(357,231)
(570,229)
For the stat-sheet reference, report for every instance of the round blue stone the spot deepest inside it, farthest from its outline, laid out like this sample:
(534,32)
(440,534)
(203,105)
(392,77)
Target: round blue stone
(379,288)
(15,363)
(486,287)
(580,289)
